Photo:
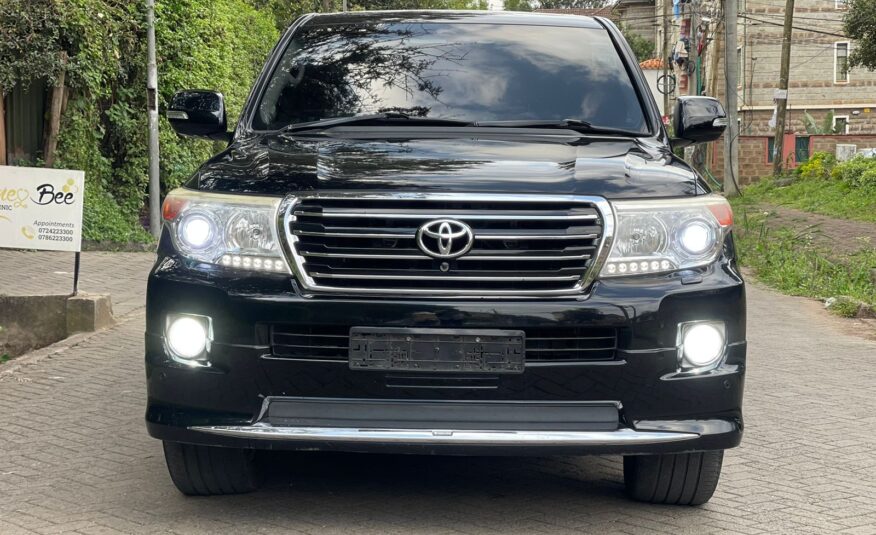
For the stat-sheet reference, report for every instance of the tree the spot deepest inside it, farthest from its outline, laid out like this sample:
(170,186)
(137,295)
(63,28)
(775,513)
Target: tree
(642,47)
(29,34)
(569,4)
(860,25)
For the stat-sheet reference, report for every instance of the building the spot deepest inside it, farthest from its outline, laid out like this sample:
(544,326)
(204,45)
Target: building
(841,101)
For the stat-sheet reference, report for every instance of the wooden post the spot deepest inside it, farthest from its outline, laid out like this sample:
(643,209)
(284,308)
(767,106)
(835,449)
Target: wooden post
(54,122)
(781,96)
(2,128)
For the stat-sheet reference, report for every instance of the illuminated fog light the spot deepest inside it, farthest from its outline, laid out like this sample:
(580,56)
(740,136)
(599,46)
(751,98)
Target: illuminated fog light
(196,231)
(226,260)
(702,344)
(622,268)
(612,268)
(247,262)
(235,261)
(188,336)
(278,265)
(634,267)
(665,264)
(696,238)
(257,263)
(643,266)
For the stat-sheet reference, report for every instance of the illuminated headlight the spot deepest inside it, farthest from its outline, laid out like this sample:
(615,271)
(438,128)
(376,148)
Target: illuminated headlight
(233,231)
(188,338)
(667,235)
(197,231)
(701,344)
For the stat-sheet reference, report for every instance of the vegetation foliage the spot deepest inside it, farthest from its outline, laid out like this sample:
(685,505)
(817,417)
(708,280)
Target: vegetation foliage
(824,186)
(860,25)
(791,259)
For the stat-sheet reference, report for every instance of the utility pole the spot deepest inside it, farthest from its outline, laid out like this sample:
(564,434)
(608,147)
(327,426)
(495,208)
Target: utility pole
(345,6)
(693,86)
(731,70)
(666,57)
(152,105)
(781,95)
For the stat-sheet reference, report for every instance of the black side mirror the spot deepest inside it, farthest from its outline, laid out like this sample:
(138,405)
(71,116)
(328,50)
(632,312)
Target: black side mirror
(199,113)
(697,120)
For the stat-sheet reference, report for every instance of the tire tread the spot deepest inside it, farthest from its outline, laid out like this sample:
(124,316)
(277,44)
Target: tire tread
(678,479)
(207,470)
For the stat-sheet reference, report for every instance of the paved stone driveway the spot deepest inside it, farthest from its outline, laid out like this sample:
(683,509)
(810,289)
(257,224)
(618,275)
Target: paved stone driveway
(74,455)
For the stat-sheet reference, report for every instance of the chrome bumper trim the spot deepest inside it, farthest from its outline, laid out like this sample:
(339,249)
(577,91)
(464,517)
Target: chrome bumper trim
(449,436)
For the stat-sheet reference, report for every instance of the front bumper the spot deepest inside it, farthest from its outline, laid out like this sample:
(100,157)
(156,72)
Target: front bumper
(657,409)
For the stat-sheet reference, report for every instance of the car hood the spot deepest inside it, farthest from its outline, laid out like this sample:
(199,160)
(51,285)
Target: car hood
(571,165)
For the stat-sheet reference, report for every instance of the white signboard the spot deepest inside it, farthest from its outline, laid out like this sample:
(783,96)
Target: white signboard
(41,208)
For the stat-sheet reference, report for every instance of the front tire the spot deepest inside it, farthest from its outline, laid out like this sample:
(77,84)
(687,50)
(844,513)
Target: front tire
(677,479)
(209,470)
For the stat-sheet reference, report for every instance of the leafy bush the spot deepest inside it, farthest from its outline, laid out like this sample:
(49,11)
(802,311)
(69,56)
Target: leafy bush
(219,44)
(819,166)
(857,173)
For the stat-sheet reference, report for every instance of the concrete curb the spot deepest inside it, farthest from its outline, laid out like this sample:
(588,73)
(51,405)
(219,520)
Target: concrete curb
(9,369)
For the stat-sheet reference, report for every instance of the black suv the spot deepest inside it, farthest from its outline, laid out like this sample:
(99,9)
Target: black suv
(448,233)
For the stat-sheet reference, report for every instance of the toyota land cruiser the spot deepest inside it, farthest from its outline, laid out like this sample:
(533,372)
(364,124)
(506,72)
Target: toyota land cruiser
(448,233)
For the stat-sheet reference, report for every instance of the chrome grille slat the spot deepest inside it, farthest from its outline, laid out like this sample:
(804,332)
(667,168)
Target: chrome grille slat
(427,216)
(444,277)
(523,245)
(424,257)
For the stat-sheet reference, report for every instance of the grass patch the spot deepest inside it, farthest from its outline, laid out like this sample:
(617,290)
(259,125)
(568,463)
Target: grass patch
(832,198)
(788,260)
(823,186)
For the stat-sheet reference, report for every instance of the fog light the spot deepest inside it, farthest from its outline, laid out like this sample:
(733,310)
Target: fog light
(701,344)
(188,338)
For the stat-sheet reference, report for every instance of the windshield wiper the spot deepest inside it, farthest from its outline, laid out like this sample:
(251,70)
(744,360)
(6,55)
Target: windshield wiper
(380,118)
(568,124)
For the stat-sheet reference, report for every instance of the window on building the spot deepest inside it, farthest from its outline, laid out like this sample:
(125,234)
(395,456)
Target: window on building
(771,148)
(841,62)
(801,149)
(740,68)
(841,124)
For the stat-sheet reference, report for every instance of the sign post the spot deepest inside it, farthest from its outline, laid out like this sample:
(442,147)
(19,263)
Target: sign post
(42,209)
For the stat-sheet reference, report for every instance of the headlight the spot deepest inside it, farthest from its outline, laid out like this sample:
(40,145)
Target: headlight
(661,236)
(234,231)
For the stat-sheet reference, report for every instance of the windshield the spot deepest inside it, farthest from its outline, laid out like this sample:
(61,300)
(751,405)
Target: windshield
(462,71)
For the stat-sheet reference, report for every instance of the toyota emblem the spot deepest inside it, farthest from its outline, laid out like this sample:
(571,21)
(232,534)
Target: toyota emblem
(445,238)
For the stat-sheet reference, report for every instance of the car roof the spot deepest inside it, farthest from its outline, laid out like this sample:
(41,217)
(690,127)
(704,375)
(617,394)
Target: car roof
(471,17)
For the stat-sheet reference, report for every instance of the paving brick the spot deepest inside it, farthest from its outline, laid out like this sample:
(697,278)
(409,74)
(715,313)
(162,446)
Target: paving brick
(76,457)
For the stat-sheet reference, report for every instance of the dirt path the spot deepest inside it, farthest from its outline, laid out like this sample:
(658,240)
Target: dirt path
(841,236)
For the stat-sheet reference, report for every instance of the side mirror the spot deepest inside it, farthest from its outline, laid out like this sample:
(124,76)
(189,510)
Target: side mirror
(697,120)
(199,113)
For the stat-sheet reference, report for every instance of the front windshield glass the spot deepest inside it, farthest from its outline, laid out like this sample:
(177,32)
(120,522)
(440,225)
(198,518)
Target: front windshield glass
(440,70)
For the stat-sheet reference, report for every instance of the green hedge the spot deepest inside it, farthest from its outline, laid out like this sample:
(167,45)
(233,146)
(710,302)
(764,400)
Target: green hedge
(217,44)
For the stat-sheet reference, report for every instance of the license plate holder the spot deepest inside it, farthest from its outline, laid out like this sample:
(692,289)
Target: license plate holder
(437,350)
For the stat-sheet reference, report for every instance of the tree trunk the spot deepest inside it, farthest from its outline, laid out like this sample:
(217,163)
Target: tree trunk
(54,122)
(2,129)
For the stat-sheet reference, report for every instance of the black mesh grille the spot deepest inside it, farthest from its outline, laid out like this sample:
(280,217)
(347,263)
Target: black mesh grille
(518,245)
(547,345)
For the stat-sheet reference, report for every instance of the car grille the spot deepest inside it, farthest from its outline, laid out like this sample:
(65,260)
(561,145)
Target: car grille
(521,245)
(330,343)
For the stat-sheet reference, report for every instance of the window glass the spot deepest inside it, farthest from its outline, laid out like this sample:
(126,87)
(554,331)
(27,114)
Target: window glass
(842,62)
(473,72)
(801,149)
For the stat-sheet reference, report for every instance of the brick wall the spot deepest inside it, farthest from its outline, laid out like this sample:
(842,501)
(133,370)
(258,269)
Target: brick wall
(753,162)
(828,143)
